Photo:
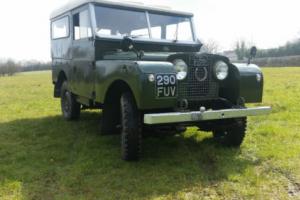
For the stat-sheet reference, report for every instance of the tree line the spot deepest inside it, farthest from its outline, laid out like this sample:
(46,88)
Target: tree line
(290,49)
(10,67)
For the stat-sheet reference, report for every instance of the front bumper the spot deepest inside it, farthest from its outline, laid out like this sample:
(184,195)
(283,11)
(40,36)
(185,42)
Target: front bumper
(182,117)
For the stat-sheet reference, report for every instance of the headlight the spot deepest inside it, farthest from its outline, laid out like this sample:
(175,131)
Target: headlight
(221,70)
(181,69)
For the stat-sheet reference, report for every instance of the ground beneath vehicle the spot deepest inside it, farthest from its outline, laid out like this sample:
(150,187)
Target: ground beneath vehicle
(142,66)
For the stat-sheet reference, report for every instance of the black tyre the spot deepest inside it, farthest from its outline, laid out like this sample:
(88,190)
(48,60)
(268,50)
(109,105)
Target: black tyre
(69,106)
(131,129)
(234,135)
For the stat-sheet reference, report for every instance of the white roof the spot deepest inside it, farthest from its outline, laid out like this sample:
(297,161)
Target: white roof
(72,4)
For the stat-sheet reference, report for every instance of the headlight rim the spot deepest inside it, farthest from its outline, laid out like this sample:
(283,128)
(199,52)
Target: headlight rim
(217,63)
(184,72)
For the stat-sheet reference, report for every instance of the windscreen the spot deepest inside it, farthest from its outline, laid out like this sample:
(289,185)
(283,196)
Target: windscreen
(115,22)
(173,28)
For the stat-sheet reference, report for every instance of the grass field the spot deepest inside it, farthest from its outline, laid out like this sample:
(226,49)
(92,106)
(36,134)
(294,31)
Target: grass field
(44,157)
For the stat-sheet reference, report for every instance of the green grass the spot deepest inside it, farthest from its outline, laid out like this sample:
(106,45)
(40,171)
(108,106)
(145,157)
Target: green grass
(44,157)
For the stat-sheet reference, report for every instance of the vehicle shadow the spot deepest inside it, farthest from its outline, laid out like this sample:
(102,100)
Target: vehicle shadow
(58,159)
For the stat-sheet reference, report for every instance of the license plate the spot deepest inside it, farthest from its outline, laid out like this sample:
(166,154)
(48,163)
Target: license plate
(166,85)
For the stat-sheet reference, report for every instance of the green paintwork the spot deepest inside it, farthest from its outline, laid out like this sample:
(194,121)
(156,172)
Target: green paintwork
(248,86)
(135,74)
(242,82)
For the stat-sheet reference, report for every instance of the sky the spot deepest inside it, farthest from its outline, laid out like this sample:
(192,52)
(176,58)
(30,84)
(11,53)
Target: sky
(25,26)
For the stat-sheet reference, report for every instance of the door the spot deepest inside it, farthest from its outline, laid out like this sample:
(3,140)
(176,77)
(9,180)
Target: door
(83,54)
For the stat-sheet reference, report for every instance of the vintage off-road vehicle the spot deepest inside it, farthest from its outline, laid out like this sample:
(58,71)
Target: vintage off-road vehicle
(142,66)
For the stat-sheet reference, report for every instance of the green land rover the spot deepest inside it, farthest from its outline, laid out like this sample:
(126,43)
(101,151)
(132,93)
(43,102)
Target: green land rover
(142,66)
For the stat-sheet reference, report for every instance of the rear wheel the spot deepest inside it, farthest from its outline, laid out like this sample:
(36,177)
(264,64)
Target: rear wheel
(131,128)
(69,106)
(234,135)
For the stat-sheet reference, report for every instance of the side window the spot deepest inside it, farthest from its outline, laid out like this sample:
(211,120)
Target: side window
(81,25)
(60,28)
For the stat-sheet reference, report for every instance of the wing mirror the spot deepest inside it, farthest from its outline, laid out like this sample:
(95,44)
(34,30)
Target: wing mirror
(253,52)
(127,44)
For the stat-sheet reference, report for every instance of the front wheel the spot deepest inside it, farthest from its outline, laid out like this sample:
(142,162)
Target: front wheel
(131,128)
(234,135)
(69,106)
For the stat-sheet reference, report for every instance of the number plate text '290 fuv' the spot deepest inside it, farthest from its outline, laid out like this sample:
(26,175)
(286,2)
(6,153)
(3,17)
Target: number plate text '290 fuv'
(166,85)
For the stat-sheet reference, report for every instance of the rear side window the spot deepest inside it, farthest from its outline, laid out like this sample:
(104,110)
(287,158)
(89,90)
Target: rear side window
(60,28)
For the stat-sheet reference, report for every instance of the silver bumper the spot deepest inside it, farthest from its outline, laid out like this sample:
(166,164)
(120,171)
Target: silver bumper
(179,117)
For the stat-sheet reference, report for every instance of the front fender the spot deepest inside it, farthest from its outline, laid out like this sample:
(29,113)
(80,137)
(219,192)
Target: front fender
(245,81)
(109,71)
(135,75)
(148,99)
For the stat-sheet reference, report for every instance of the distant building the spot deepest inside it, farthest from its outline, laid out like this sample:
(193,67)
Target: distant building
(231,55)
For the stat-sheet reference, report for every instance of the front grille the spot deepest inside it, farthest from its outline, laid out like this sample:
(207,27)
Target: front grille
(199,84)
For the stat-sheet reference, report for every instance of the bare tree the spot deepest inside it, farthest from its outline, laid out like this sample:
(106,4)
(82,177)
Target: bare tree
(9,68)
(211,46)
(241,49)
(12,67)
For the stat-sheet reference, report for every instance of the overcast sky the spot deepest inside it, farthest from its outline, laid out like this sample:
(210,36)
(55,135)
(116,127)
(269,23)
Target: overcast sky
(24,32)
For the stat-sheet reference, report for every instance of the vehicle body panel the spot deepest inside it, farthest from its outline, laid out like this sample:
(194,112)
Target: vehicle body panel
(242,83)
(249,88)
(93,64)
(135,75)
